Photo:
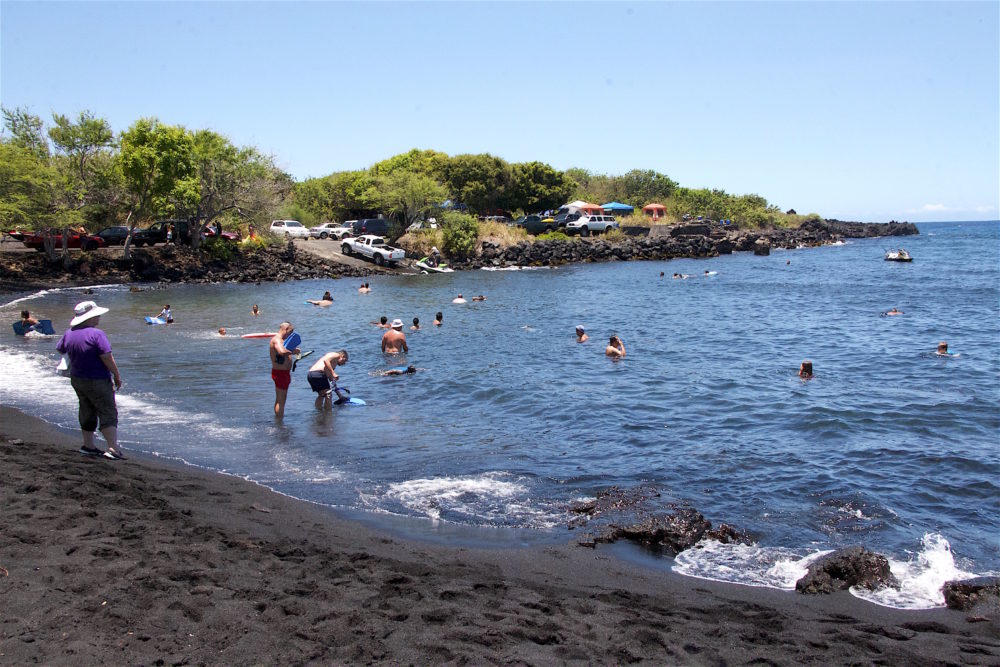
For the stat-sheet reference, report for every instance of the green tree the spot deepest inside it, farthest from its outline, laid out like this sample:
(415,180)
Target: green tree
(155,159)
(408,194)
(536,187)
(426,162)
(26,130)
(460,232)
(80,140)
(639,187)
(480,181)
(26,188)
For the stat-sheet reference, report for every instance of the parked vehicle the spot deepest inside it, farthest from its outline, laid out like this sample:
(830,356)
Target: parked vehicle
(82,241)
(371,226)
(329,230)
(157,233)
(586,225)
(563,219)
(430,223)
(225,236)
(113,235)
(374,247)
(289,229)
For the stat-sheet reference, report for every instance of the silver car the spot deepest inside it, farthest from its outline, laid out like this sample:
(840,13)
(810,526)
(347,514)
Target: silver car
(586,225)
(289,229)
(329,230)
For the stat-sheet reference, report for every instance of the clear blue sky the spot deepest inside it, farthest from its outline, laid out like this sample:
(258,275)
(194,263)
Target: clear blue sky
(864,111)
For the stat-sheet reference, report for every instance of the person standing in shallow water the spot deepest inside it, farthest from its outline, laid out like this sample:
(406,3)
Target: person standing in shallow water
(94,376)
(615,348)
(438,319)
(281,367)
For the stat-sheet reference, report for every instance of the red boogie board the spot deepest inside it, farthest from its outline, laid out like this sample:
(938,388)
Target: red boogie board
(259,335)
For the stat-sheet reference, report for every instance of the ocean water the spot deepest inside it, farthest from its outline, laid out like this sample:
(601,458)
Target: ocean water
(509,419)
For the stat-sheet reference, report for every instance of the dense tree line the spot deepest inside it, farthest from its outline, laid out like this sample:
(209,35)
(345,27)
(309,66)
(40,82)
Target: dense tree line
(413,184)
(78,171)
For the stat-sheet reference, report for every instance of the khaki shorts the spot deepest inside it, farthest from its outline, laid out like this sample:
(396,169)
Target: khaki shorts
(97,403)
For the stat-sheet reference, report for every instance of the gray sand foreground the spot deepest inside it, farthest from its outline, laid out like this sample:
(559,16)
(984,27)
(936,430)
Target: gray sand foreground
(143,562)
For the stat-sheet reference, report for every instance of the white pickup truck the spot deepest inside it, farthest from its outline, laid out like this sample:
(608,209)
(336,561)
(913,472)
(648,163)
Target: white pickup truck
(373,247)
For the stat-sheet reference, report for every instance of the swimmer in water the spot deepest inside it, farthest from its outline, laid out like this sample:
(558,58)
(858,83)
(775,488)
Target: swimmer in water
(327,300)
(27,321)
(364,289)
(615,348)
(383,322)
(416,324)
(394,340)
(893,311)
(399,371)
(479,298)
(255,311)
(581,334)
(806,370)
(222,331)
(459,299)
(942,350)
(438,319)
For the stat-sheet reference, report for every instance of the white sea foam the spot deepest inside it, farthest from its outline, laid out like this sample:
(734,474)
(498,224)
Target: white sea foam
(920,578)
(750,565)
(517,268)
(495,497)
(45,292)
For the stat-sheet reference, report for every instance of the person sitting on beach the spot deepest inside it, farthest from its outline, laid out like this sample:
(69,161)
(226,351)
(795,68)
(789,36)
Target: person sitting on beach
(459,299)
(394,340)
(893,311)
(400,370)
(615,348)
(255,311)
(438,319)
(327,300)
(806,370)
(581,334)
(321,373)
(479,298)
(383,323)
(165,314)
(222,331)
(281,367)
(416,324)
(27,321)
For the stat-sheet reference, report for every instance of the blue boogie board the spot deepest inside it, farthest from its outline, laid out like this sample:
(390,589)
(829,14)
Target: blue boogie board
(350,401)
(43,327)
(293,341)
(154,320)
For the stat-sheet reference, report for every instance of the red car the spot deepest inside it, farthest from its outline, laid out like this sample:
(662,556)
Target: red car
(84,241)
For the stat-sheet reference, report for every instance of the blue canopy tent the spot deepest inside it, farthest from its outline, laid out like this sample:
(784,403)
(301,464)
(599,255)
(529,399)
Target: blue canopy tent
(617,208)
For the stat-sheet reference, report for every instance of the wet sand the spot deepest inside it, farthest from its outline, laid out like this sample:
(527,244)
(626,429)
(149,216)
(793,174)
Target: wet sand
(144,562)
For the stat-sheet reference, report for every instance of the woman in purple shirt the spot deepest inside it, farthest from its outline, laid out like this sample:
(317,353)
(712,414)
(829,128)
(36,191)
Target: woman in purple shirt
(92,370)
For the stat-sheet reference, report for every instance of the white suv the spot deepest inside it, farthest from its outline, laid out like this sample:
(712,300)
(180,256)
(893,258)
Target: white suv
(289,228)
(587,224)
(330,230)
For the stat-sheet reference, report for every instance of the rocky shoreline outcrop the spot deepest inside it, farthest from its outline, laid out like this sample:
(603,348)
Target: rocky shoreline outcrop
(675,241)
(169,264)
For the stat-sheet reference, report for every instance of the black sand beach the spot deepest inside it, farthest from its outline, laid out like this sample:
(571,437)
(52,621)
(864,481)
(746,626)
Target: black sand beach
(142,562)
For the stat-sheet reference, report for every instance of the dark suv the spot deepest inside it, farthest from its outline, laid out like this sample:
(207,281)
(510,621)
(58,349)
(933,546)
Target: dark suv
(376,226)
(157,233)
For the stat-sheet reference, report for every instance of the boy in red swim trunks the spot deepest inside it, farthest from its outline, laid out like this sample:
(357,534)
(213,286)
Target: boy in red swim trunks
(281,367)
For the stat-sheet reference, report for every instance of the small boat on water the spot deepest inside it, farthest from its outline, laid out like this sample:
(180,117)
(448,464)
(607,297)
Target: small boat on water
(899,255)
(426,265)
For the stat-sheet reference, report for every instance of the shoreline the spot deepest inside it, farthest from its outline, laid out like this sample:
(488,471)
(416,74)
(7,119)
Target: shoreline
(145,560)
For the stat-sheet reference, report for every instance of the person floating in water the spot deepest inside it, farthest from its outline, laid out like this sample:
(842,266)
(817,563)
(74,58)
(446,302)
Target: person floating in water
(222,331)
(892,311)
(327,300)
(255,311)
(615,348)
(281,367)
(364,289)
(479,298)
(581,334)
(401,371)
(459,299)
(416,324)
(165,314)
(394,340)
(806,370)
(322,373)
(438,319)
